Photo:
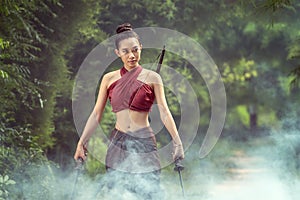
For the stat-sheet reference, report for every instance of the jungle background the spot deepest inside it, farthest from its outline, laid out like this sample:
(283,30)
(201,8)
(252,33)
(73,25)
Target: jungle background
(255,44)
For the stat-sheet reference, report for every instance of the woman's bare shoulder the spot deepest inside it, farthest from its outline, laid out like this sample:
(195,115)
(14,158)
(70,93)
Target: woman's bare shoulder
(111,75)
(153,76)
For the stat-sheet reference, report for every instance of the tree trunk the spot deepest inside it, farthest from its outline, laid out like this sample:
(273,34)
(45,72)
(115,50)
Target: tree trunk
(253,117)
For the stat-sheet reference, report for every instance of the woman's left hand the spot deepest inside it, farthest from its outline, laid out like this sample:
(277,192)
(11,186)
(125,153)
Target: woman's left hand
(178,151)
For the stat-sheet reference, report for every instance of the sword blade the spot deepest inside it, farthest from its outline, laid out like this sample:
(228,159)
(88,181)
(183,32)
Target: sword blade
(78,168)
(181,182)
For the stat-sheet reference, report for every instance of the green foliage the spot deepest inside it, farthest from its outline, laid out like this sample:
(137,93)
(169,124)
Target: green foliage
(295,74)
(34,43)
(294,54)
(42,44)
(81,32)
(244,70)
(268,118)
(20,39)
(243,114)
(273,6)
(97,150)
(5,182)
(139,12)
(15,155)
(238,117)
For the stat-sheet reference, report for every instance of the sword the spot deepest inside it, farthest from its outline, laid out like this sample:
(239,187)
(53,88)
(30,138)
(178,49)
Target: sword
(179,167)
(79,168)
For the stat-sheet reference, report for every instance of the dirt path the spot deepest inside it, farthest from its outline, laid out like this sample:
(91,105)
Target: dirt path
(252,178)
(249,173)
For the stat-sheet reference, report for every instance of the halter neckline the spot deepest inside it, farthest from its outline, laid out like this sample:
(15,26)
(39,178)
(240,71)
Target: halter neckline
(124,70)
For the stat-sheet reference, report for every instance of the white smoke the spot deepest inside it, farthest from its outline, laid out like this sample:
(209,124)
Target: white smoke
(265,167)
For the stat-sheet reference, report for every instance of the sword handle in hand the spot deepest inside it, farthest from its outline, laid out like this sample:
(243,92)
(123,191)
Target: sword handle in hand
(79,163)
(178,165)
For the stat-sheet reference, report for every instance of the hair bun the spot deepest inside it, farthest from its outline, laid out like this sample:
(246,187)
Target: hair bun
(124,27)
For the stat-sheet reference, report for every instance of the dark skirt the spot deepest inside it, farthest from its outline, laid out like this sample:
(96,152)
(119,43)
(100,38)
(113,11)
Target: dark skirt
(133,152)
(132,162)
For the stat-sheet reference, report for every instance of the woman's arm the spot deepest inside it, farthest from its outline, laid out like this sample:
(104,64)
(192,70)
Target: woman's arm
(93,120)
(167,117)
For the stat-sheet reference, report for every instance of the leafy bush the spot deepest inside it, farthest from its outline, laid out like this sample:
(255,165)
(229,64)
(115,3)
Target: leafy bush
(5,181)
(17,149)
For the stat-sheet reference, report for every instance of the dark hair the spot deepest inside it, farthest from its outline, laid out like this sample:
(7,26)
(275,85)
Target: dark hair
(124,31)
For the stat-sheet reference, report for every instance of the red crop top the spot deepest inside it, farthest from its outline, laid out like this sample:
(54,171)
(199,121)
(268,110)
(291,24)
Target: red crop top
(130,93)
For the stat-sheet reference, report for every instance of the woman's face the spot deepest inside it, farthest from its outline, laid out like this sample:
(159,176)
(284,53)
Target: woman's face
(130,52)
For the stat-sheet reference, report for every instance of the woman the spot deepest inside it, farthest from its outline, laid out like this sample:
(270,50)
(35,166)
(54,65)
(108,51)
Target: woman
(131,91)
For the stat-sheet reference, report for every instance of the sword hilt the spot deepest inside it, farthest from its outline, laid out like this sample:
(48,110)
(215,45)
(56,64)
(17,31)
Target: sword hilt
(79,164)
(80,161)
(161,58)
(178,165)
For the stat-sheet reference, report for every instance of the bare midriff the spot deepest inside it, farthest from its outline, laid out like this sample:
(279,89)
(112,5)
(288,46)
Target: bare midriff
(130,120)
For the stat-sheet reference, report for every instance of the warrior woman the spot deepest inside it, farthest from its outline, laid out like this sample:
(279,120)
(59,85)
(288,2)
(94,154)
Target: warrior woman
(131,91)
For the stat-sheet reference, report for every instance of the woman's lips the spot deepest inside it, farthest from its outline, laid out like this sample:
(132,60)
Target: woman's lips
(132,61)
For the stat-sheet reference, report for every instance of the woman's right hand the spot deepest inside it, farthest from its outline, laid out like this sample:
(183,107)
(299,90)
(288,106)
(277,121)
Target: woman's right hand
(81,151)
